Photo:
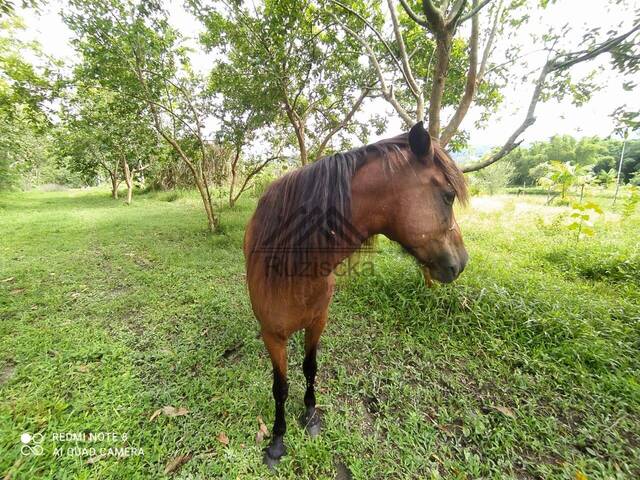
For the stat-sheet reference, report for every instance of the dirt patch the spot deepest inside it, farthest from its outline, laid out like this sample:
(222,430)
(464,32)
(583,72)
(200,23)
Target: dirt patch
(342,471)
(6,371)
(233,352)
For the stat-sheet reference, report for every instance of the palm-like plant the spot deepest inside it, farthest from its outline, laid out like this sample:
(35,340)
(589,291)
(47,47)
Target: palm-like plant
(559,174)
(606,178)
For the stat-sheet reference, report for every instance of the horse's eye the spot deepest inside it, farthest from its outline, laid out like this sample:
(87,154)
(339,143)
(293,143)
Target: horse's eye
(449,197)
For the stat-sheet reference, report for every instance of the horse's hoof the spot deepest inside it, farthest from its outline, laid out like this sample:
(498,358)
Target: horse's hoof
(274,452)
(311,420)
(269,461)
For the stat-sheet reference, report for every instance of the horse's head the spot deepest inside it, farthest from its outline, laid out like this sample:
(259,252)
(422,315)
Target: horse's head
(422,194)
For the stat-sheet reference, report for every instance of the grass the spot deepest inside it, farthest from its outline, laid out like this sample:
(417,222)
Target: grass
(526,367)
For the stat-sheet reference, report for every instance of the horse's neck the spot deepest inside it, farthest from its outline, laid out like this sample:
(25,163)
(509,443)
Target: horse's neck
(370,202)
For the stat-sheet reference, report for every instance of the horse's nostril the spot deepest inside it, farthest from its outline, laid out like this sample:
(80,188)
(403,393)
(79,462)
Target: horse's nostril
(454,271)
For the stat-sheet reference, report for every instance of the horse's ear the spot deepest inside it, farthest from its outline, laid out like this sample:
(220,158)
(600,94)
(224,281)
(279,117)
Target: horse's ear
(419,140)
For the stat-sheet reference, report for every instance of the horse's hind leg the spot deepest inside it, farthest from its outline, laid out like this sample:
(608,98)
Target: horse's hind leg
(311,418)
(277,347)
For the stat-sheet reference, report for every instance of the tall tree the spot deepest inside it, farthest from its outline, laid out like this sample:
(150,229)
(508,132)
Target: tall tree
(131,49)
(288,56)
(25,87)
(103,131)
(490,22)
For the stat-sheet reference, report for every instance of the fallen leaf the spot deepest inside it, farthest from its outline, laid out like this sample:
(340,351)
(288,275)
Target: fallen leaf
(174,412)
(169,412)
(262,431)
(205,332)
(95,459)
(223,439)
(175,463)
(82,368)
(16,291)
(506,411)
(580,475)
(10,279)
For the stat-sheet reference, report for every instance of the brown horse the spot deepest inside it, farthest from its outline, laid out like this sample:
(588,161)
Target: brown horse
(311,219)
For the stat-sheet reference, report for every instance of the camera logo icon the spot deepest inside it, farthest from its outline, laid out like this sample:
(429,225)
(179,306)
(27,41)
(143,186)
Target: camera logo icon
(31,444)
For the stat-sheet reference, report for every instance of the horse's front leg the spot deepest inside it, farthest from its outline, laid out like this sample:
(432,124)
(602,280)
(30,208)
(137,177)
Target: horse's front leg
(277,347)
(311,418)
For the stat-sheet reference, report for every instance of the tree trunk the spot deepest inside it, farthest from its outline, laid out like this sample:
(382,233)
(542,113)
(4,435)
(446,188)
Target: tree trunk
(304,156)
(212,221)
(234,175)
(114,184)
(128,179)
(443,55)
(470,86)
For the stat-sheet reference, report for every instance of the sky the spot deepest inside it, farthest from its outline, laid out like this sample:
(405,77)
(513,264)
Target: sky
(552,118)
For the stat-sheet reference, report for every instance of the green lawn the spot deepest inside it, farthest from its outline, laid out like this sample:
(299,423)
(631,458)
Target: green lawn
(526,367)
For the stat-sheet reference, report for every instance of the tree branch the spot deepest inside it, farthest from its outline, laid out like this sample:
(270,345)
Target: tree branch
(470,86)
(343,123)
(474,11)
(529,120)
(456,11)
(552,65)
(577,57)
(433,15)
(377,34)
(413,15)
(252,174)
(489,45)
(387,92)
(411,82)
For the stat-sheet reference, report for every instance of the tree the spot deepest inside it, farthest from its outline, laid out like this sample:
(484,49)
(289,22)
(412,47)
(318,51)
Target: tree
(24,89)
(104,131)
(564,175)
(441,24)
(132,50)
(494,177)
(606,177)
(596,153)
(241,131)
(289,57)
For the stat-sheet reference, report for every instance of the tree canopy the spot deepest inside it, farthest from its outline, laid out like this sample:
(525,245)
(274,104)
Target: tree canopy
(288,82)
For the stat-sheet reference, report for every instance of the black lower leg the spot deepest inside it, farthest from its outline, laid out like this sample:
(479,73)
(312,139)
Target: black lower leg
(309,367)
(311,418)
(276,448)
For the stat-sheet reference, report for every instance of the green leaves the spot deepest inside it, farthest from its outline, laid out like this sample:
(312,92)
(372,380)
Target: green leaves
(284,64)
(631,202)
(582,218)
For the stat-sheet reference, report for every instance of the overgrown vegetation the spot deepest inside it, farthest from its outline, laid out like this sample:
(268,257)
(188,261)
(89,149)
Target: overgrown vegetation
(526,367)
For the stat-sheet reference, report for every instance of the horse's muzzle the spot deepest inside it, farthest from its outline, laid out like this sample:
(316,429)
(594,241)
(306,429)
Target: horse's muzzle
(448,269)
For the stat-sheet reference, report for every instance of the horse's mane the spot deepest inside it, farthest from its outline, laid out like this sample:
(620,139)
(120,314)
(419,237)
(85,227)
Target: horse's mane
(309,209)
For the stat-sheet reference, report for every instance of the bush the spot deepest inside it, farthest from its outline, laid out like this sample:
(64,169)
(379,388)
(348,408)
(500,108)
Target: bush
(492,179)
(173,195)
(262,182)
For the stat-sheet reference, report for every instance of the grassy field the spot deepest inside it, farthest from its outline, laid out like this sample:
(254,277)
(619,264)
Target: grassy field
(526,367)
